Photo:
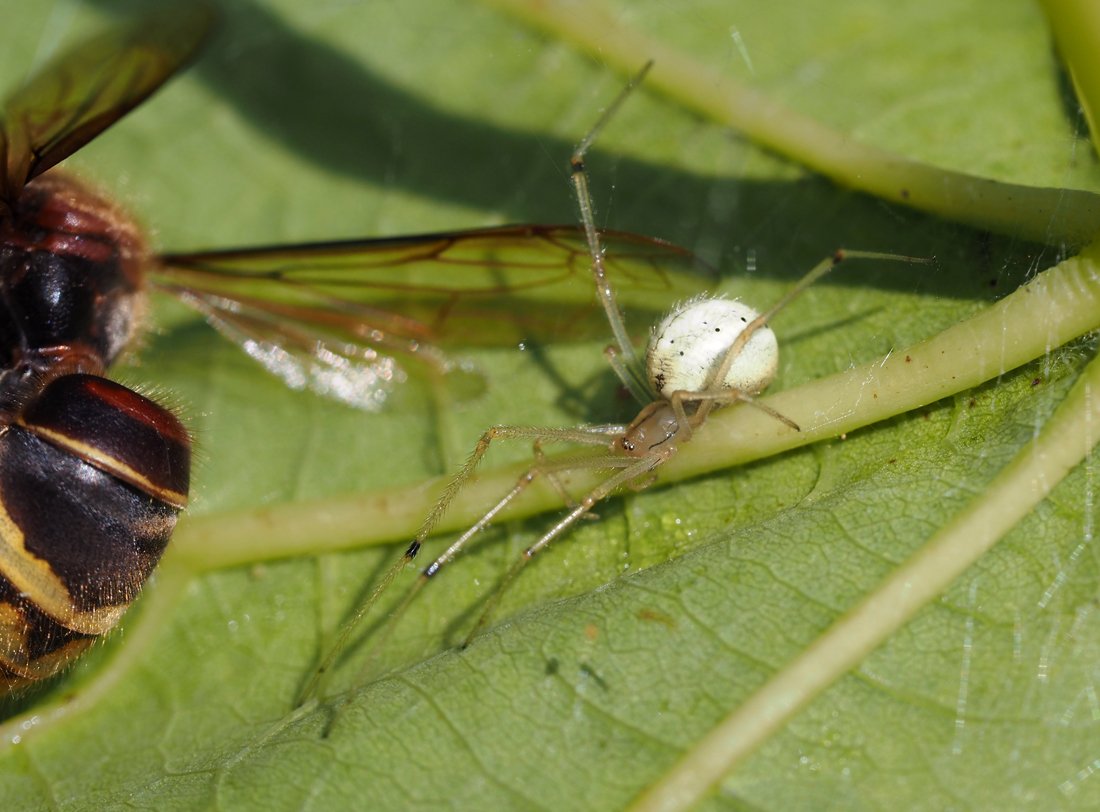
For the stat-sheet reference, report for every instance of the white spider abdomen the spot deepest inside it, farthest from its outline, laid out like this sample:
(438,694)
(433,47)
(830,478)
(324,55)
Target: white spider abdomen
(693,339)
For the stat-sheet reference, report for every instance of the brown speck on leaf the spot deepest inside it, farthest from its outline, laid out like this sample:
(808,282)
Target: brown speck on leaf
(654,616)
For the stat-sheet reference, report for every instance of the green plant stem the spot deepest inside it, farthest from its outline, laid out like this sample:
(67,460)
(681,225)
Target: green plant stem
(1076,28)
(1054,216)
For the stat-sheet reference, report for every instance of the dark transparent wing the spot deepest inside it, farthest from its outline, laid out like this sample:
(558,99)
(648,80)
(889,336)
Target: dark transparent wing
(353,319)
(85,90)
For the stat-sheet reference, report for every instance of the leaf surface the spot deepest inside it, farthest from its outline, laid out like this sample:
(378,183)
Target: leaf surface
(624,643)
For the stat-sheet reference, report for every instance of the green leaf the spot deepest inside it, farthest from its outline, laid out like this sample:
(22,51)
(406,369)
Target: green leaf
(623,644)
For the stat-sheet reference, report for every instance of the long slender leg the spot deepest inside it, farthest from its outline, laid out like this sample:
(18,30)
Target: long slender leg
(719,373)
(636,468)
(814,274)
(604,290)
(544,465)
(640,387)
(555,483)
(529,476)
(708,401)
(448,555)
(312,688)
(584,435)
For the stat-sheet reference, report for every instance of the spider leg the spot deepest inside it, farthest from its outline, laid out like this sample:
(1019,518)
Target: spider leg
(544,468)
(722,397)
(584,435)
(815,273)
(632,468)
(541,462)
(604,291)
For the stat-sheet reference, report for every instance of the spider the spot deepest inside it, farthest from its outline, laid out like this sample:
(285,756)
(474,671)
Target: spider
(707,352)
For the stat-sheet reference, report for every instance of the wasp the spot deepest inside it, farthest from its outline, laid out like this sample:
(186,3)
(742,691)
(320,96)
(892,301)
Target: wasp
(93,475)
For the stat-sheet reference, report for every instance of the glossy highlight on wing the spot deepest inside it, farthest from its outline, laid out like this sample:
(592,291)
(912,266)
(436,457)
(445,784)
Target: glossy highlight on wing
(351,319)
(84,91)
